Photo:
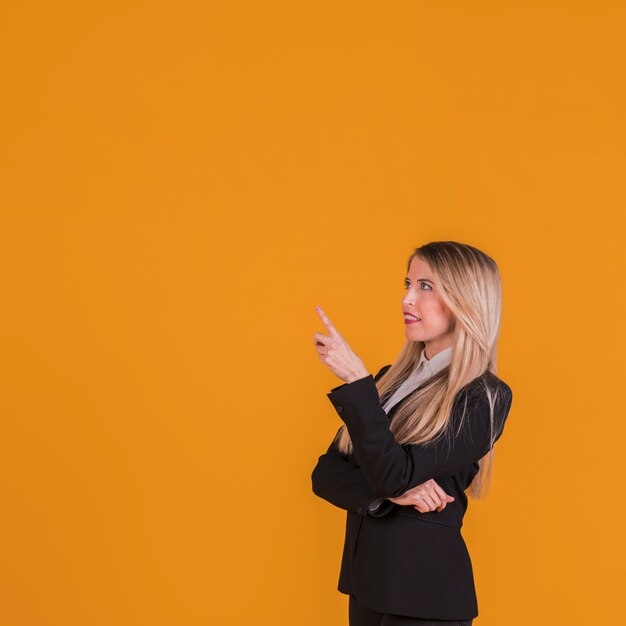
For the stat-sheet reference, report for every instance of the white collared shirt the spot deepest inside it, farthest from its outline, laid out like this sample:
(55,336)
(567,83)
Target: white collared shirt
(424,370)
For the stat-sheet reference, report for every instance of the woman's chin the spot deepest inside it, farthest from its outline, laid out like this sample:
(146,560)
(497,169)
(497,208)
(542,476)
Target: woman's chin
(412,334)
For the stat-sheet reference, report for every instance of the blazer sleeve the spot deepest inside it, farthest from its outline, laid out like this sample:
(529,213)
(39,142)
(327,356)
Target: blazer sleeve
(338,480)
(391,468)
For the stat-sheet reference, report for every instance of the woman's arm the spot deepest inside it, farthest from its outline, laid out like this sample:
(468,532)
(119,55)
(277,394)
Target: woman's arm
(391,468)
(338,480)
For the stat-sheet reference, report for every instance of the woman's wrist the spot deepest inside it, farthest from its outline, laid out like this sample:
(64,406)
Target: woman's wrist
(357,376)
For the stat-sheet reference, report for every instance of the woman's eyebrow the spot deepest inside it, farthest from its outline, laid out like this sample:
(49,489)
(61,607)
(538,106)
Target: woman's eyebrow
(419,279)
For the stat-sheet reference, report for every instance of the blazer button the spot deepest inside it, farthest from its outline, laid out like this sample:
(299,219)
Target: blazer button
(339,408)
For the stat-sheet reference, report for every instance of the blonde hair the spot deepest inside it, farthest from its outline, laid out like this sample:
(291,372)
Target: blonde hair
(468,282)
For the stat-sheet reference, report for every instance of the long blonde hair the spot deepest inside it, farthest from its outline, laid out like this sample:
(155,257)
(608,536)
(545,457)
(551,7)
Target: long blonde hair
(468,282)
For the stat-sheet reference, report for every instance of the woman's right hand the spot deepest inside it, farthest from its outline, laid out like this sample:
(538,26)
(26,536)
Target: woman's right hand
(428,496)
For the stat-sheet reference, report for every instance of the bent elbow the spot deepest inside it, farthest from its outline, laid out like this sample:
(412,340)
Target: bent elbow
(316,480)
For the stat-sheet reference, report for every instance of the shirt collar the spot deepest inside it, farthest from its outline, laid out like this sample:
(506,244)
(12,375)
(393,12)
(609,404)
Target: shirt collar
(436,363)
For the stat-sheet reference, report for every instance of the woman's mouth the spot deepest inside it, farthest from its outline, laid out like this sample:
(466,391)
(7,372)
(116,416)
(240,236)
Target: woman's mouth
(411,319)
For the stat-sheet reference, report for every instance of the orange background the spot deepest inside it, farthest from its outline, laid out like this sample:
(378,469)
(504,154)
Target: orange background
(184,182)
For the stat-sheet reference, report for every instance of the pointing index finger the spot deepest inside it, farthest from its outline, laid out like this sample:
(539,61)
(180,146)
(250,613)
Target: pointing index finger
(329,325)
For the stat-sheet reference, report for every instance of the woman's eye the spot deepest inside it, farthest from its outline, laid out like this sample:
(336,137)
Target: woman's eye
(407,285)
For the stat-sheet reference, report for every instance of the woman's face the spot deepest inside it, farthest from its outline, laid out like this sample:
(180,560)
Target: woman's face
(422,299)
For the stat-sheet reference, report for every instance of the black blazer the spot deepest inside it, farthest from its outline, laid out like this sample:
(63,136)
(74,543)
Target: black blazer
(396,559)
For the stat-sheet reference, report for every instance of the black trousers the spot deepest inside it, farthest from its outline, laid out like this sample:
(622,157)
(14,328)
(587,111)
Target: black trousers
(361,615)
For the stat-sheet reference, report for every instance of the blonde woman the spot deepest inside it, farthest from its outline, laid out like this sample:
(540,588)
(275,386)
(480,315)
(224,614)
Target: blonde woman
(416,437)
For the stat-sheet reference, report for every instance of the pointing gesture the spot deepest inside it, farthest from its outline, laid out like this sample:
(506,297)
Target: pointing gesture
(336,354)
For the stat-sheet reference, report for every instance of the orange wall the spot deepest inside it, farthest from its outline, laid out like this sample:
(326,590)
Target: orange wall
(184,182)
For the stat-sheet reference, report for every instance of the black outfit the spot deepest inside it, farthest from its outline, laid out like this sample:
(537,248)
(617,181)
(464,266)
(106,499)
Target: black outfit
(361,615)
(396,560)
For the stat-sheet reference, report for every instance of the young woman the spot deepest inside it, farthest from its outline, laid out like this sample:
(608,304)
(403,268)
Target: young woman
(415,438)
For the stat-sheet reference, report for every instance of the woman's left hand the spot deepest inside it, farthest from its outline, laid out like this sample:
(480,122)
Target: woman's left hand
(428,496)
(336,354)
